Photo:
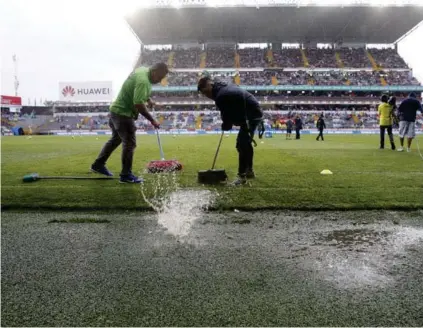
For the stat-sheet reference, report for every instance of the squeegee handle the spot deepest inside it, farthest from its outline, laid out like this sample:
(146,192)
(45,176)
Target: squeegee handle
(217,151)
(160,144)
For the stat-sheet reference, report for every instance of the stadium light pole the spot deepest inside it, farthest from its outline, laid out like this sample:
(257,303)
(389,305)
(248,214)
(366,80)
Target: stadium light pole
(15,66)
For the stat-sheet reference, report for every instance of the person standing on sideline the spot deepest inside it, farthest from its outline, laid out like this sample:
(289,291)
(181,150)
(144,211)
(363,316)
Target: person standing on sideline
(385,111)
(298,127)
(133,99)
(407,116)
(288,128)
(320,126)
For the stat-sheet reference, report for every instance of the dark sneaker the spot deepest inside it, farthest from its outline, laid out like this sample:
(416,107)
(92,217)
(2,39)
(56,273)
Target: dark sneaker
(239,181)
(101,170)
(130,178)
(393,147)
(251,175)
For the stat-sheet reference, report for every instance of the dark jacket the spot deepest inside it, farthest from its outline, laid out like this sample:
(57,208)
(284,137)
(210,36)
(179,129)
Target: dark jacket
(407,111)
(321,123)
(236,105)
(289,125)
(298,124)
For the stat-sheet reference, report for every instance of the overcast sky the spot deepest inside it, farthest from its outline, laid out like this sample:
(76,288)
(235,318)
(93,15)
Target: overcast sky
(85,40)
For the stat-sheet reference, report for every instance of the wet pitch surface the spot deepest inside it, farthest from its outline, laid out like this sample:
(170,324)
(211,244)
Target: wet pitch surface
(232,269)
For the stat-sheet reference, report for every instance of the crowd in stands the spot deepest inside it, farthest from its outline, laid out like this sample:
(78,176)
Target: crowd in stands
(321,57)
(326,78)
(81,109)
(209,119)
(252,57)
(354,57)
(388,58)
(151,57)
(287,57)
(220,58)
(187,58)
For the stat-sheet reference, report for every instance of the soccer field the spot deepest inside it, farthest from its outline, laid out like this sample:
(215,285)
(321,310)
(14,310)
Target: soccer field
(288,173)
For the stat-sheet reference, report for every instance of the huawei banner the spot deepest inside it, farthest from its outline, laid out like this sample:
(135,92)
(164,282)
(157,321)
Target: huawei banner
(85,91)
(11,101)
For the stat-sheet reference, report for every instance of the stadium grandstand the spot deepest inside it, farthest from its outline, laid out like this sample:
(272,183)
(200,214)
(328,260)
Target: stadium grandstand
(296,58)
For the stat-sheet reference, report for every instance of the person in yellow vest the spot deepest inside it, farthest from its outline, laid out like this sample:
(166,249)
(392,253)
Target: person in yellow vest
(385,111)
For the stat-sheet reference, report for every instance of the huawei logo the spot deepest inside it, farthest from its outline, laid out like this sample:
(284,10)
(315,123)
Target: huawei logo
(68,91)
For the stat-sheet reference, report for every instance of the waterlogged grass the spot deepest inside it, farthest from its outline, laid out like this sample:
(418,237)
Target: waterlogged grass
(288,173)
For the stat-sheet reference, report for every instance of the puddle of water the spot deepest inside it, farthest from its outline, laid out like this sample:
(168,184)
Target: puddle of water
(358,258)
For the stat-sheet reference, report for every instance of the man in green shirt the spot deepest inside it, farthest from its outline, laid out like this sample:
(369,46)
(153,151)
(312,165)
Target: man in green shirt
(133,99)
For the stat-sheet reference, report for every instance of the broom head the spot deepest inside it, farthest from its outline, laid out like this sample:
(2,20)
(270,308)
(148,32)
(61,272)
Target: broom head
(164,166)
(212,176)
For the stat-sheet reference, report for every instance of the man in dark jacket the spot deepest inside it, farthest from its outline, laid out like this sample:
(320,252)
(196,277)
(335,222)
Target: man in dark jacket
(298,127)
(320,126)
(407,116)
(237,107)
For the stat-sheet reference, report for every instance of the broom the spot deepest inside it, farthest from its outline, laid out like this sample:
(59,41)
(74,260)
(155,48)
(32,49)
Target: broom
(163,165)
(213,176)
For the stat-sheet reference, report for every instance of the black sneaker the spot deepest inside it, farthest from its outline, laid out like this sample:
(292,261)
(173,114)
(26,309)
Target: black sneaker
(101,170)
(130,178)
(251,175)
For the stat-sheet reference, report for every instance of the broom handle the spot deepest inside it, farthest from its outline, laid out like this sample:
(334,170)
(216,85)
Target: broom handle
(160,144)
(217,151)
(74,178)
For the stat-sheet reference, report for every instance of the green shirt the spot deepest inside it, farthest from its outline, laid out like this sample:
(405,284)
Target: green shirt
(135,90)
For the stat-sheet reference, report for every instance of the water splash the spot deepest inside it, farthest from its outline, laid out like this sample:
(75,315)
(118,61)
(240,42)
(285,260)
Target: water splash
(177,209)
(182,208)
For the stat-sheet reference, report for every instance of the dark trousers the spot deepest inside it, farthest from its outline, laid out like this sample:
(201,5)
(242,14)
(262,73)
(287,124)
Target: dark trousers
(320,134)
(382,136)
(123,132)
(245,149)
(297,133)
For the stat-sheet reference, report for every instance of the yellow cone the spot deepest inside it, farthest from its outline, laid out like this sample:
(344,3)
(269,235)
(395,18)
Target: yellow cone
(326,172)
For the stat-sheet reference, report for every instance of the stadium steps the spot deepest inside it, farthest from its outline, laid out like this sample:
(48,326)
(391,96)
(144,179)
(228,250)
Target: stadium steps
(237,79)
(372,61)
(383,81)
(339,60)
(203,60)
(305,59)
(164,82)
(269,56)
(376,67)
(237,60)
(171,59)
(274,80)
(198,122)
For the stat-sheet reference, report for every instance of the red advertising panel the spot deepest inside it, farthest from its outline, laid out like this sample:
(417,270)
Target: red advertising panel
(11,101)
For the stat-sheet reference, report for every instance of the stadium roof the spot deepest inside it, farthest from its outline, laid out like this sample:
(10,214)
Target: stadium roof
(290,24)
